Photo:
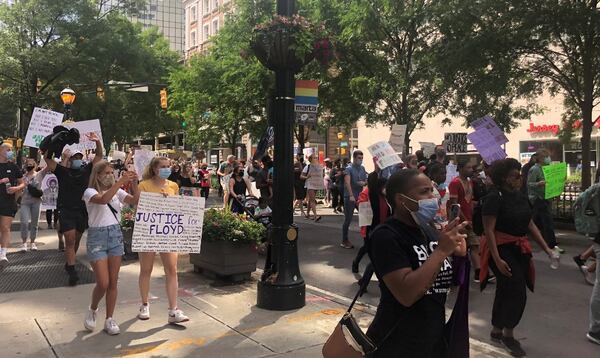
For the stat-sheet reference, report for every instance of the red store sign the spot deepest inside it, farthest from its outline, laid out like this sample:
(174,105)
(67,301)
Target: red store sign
(555,128)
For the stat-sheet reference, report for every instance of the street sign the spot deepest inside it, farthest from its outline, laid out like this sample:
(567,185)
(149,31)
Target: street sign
(306,104)
(455,142)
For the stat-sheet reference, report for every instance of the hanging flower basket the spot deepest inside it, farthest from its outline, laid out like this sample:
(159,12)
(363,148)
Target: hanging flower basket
(287,42)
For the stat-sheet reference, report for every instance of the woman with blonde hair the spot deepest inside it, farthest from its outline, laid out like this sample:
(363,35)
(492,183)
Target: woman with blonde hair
(155,181)
(103,199)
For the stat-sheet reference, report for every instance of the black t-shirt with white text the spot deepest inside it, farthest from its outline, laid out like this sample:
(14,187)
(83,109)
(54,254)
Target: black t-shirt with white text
(12,172)
(71,185)
(420,329)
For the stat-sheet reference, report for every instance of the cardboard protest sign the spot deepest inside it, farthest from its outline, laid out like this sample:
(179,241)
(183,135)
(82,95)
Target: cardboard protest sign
(487,124)
(187,191)
(365,214)
(315,177)
(307,152)
(50,189)
(84,128)
(141,159)
(41,125)
(168,224)
(555,176)
(455,142)
(384,155)
(428,148)
(397,137)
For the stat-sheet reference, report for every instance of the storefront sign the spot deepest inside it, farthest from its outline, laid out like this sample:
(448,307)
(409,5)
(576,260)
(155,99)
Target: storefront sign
(544,128)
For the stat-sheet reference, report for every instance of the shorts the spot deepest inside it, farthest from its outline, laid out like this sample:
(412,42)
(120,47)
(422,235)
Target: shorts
(103,242)
(472,239)
(8,208)
(73,220)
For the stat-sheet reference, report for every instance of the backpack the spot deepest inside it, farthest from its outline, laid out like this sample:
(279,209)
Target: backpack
(586,211)
(477,222)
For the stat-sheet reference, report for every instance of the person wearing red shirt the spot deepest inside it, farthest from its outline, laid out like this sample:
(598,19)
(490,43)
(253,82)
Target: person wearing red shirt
(461,193)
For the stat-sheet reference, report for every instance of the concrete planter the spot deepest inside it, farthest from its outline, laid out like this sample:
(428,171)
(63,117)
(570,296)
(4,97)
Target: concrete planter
(225,260)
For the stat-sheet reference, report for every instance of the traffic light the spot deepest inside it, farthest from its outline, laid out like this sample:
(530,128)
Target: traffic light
(100,93)
(342,151)
(183,124)
(163,98)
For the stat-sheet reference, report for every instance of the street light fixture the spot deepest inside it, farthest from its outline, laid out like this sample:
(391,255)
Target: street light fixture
(68,97)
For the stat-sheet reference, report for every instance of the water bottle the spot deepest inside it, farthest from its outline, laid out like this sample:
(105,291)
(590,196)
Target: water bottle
(7,185)
(554,260)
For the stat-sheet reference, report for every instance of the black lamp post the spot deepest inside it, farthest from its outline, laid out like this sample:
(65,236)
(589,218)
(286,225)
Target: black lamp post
(68,97)
(282,286)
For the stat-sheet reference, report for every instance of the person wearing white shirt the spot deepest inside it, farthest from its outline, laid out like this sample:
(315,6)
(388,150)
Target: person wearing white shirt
(103,200)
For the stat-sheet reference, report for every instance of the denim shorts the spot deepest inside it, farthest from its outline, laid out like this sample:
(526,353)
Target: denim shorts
(103,242)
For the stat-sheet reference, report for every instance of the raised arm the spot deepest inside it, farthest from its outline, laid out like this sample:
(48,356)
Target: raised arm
(99,147)
(108,195)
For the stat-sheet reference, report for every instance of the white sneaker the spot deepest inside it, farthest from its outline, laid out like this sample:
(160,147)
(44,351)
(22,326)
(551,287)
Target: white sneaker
(23,248)
(558,250)
(144,313)
(33,246)
(177,316)
(111,327)
(587,275)
(90,320)
(3,259)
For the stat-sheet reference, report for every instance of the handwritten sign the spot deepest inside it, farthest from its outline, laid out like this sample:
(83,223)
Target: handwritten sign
(141,159)
(168,224)
(428,148)
(41,125)
(85,128)
(365,214)
(487,124)
(397,137)
(384,155)
(315,179)
(455,142)
(555,176)
(50,189)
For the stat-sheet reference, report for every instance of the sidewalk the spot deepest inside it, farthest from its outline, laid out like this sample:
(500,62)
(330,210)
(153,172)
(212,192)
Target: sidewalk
(224,320)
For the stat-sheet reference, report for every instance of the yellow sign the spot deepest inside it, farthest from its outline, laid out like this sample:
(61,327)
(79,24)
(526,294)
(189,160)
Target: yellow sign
(163,98)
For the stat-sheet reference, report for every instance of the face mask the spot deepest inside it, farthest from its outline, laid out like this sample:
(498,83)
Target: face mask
(482,175)
(358,162)
(547,160)
(76,164)
(427,210)
(164,173)
(107,181)
(29,168)
(10,155)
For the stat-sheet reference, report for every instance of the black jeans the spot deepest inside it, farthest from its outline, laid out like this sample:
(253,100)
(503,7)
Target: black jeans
(543,220)
(335,197)
(49,214)
(511,292)
(204,192)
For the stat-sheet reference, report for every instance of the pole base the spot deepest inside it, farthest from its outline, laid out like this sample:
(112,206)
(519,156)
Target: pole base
(280,298)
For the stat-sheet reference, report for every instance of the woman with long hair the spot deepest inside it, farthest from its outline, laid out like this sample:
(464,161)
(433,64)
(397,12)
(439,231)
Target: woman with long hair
(238,185)
(103,199)
(30,204)
(155,180)
(412,262)
(313,169)
(507,222)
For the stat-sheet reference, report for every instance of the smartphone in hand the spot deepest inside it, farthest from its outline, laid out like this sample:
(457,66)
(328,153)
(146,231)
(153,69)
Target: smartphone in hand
(454,212)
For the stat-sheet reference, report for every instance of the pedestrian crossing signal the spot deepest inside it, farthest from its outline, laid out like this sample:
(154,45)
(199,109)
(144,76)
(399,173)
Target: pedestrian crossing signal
(163,98)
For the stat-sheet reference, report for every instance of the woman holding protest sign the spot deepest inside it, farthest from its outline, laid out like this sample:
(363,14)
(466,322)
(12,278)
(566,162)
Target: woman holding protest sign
(155,181)
(103,199)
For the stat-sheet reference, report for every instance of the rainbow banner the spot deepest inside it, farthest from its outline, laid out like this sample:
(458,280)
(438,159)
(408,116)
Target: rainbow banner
(307,101)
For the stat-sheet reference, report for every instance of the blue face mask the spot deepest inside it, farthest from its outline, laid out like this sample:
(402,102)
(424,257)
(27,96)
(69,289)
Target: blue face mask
(427,210)
(164,173)
(10,155)
(547,160)
(76,163)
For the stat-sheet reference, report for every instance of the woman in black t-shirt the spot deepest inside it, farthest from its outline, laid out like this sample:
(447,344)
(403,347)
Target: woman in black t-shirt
(412,263)
(506,215)
(11,182)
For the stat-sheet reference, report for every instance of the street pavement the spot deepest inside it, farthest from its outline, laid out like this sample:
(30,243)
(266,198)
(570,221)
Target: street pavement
(225,321)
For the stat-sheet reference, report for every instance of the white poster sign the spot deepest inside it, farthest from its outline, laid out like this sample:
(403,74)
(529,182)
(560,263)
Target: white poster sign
(85,128)
(451,173)
(365,214)
(428,149)
(307,152)
(41,125)
(50,189)
(118,155)
(384,155)
(397,137)
(168,224)
(141,159)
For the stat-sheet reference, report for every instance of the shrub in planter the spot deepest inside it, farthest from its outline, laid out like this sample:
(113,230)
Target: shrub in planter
(228,245)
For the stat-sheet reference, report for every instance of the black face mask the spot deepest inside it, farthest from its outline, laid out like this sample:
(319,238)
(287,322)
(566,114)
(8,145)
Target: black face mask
(29,168)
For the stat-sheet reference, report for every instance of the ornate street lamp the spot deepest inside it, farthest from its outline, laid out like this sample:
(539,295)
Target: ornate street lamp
(68,97)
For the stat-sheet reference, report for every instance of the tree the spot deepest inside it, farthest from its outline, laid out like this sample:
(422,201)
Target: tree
(548,45)
(222,94)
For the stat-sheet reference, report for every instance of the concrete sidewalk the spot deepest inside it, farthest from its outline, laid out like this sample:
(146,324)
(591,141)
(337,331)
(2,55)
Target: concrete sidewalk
(225,321)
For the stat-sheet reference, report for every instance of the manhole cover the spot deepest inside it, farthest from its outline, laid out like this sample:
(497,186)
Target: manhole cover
(36,270)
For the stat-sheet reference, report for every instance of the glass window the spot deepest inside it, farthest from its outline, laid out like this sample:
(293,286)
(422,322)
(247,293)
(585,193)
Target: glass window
(193,38)
(206,6)
(206,32)
(215,4)
(193,13)
(553,146)
(215,26)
